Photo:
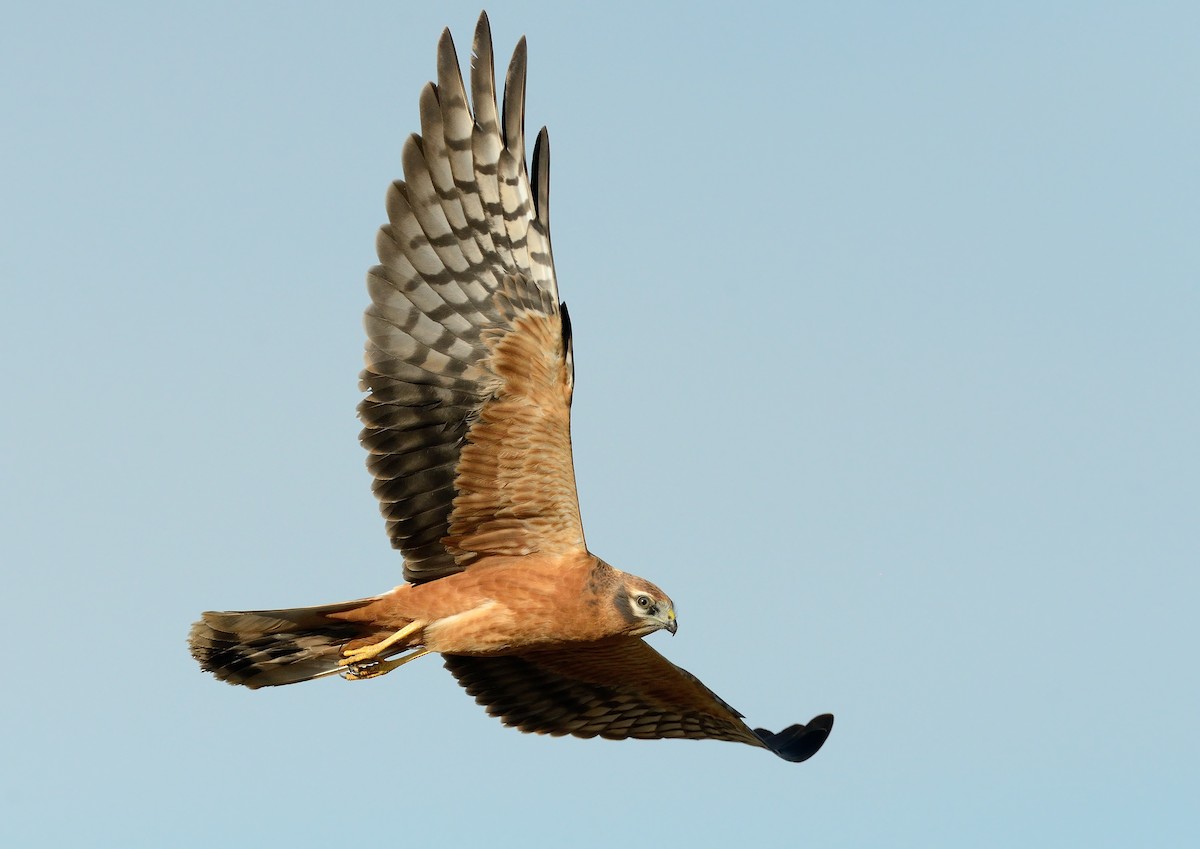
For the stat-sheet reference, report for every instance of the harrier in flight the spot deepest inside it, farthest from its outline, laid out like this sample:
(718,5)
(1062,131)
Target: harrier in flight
(466,420)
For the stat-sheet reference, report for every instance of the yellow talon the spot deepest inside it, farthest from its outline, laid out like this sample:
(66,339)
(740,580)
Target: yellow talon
(361,671)
(376,650)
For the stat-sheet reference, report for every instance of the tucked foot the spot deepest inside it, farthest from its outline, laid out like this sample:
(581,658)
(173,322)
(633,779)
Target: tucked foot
(375,651)
(362,670)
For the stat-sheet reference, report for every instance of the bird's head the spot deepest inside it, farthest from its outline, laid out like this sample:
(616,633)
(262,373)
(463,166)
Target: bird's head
(645,607)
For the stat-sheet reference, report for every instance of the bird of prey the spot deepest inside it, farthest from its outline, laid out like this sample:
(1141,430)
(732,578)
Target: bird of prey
(466,421)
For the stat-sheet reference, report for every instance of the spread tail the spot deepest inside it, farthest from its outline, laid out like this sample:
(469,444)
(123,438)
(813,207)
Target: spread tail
(266,648)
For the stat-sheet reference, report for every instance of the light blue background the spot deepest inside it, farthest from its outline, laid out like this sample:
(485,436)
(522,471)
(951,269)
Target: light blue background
(888,357)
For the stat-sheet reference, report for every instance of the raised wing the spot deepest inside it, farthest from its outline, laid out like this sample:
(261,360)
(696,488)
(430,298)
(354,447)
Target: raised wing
(468,362)
(617,689)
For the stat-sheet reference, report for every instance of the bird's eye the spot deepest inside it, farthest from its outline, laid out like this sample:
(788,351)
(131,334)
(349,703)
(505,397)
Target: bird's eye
(643,601)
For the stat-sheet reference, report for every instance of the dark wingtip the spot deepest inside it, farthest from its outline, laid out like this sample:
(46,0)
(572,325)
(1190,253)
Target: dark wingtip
(798,742)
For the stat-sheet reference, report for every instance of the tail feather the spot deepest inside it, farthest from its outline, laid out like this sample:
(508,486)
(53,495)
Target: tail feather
(267,648)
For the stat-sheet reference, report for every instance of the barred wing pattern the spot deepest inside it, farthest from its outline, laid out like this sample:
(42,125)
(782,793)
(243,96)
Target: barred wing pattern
(468,348)
(617,689)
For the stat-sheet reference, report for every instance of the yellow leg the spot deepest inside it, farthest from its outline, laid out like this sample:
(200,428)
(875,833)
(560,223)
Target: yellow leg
(375,668)
(376,650)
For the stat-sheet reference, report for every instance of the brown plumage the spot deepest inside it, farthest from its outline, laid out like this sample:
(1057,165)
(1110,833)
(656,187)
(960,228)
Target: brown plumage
(469,376)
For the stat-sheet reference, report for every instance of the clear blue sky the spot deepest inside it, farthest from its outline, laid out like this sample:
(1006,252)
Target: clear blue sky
(888,371)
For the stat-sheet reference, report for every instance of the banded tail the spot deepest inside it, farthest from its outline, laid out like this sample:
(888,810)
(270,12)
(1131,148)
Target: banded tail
(267,648)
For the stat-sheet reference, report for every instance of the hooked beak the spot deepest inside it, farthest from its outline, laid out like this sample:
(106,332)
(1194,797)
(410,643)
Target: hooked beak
(671,625)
